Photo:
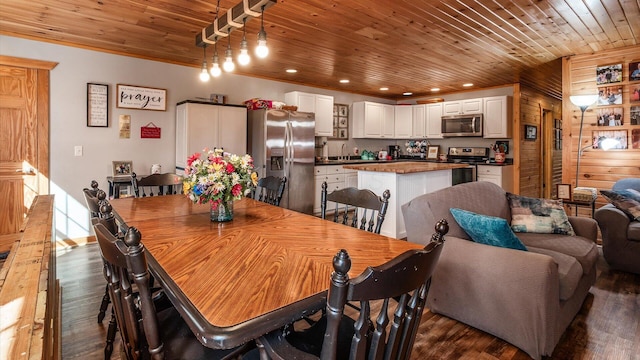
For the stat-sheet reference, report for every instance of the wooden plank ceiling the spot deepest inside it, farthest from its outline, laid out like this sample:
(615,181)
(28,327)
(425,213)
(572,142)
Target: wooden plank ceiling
(405,45)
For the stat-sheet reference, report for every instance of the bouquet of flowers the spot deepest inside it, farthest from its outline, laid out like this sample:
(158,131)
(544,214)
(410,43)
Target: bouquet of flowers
(216,177)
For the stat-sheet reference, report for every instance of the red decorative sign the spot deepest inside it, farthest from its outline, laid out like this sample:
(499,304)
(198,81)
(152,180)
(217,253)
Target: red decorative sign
(150,131)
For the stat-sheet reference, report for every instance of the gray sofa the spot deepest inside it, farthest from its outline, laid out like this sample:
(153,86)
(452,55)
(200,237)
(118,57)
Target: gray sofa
(528,298)
(620,235)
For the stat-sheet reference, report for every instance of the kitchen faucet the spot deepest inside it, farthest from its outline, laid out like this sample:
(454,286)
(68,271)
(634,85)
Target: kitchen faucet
(342,151)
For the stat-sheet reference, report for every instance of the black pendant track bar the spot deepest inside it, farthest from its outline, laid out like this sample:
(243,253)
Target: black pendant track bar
(232,19)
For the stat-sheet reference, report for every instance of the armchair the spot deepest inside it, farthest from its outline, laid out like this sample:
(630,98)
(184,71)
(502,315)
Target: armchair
(620,234)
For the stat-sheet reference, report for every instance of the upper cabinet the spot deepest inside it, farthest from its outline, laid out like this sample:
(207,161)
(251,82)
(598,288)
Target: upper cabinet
(462,107)
(497,117)
(372,120)
(418,121)
(403,121)
(321,105)
(433,120)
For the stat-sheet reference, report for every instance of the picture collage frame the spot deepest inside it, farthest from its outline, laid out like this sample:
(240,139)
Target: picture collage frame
(340,122)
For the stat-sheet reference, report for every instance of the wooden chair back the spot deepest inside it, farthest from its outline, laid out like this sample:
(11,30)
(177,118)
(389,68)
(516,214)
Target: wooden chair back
(358,208)
(270,190)
(127,266)
(158,184)
(92,200)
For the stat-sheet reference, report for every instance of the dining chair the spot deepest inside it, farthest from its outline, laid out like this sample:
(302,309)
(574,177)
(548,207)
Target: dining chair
(269,189)
(356,203)
(162,184)
(145,332)
(378,330)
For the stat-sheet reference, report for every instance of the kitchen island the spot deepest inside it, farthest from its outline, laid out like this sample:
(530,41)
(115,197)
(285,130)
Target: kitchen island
(405,180)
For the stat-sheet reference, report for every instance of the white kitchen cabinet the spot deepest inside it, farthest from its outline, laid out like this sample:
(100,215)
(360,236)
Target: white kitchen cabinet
(462,107)
(403,121)
(372,120)
(321,105)
(201,125)
(497,117)
(433,121)
(501,175)
(418,121)
(337,178)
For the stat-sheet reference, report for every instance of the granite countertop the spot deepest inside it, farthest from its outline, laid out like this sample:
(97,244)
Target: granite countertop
(405,167)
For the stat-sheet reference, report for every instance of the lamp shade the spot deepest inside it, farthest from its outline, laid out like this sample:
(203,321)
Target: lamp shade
(583,100)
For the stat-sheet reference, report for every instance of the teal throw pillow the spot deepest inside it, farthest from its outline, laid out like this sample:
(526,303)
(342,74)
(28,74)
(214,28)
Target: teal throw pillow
(627,200)
(535,215)
(487,230)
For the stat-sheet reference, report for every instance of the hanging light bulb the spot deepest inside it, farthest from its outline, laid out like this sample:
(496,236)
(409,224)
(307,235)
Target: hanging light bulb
(215,62)
(243,58)
(262,50)
(204,75)
(228,65)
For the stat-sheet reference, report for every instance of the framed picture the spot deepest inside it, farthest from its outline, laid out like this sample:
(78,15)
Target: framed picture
(343,122)
(432,151)
(530,132)
(343,110)
(141,98)
(97,105)
(635,139)
(635,115)
(609,139)
(343,134)
(610,95)
(340,122)
(634,71)
(122,168)
(634,93)
(611,116)
(563,191)
(608,74)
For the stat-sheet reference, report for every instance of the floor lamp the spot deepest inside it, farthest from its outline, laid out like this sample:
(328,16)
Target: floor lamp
(583,102)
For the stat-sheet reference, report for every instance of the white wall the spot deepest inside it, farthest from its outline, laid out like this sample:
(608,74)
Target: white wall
(77,67)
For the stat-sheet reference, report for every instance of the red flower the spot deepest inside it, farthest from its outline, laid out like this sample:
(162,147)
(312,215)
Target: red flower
(236,190)
(230,168)
(193,158)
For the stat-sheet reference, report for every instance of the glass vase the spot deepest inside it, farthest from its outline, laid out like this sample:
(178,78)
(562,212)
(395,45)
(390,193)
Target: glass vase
(223,212)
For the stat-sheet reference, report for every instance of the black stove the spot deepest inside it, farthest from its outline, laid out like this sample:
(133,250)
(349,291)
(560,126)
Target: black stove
(468,155)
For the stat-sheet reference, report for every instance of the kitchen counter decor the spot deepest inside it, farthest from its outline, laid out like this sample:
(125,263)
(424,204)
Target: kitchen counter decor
(405,167)
(219,179)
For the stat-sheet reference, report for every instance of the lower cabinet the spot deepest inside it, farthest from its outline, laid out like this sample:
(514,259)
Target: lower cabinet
(501,175)
(337,178)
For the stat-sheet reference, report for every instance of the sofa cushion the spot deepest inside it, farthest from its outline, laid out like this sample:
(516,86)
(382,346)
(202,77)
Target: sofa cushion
(623,200)
(584,250)
(489,230)
(534,215)
(569,271)
(633,232)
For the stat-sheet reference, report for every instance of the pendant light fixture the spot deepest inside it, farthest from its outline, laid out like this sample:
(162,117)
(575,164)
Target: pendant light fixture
(215,62)
(243,58)
(262,50)
(204,74)
(228,65)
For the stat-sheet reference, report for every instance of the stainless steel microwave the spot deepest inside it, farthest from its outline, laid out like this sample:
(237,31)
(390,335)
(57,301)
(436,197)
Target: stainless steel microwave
(462,125)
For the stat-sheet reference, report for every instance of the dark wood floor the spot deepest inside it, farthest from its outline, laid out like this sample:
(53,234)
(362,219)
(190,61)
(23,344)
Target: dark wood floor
(607,327)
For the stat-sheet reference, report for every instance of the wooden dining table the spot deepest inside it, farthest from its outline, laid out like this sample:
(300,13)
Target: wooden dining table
(235,281)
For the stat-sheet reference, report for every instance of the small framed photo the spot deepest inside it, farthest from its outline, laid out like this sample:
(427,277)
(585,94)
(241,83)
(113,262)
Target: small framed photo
(343,110)
(610,95)
(634,71)
(611,116)
(343,134)
(608,74)
(122,168)
(564,191)
(342,122)
(609,139)
(634,93)
(635,115)
(432,151)
(530,132)
(635,139)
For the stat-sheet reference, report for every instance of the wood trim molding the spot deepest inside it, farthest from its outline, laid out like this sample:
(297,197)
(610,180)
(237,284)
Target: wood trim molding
(27,63)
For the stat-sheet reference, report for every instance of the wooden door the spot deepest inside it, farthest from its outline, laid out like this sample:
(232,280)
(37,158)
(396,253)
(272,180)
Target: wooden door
(24,137)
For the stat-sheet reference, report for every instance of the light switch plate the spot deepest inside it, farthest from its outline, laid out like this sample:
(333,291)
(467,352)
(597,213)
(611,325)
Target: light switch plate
(77,150)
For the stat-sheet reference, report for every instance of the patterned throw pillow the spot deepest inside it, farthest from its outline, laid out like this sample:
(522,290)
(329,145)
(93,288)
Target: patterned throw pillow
(488,230)
(534,215)
(627,200)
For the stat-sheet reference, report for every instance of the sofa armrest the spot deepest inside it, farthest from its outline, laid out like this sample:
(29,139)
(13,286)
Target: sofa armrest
(498,290)
(613,222)
(585,227)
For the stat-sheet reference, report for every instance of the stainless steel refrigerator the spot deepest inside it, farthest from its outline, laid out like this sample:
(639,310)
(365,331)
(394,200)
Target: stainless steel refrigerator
(282,144)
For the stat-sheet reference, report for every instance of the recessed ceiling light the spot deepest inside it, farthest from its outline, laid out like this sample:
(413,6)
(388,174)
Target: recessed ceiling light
(344,81)
(467,84)
(407,93)
(435,89)
(292,71)
(384,88)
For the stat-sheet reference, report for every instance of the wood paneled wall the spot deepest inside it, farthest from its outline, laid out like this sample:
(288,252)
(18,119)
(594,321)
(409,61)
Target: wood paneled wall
(598,168)
(532,104)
